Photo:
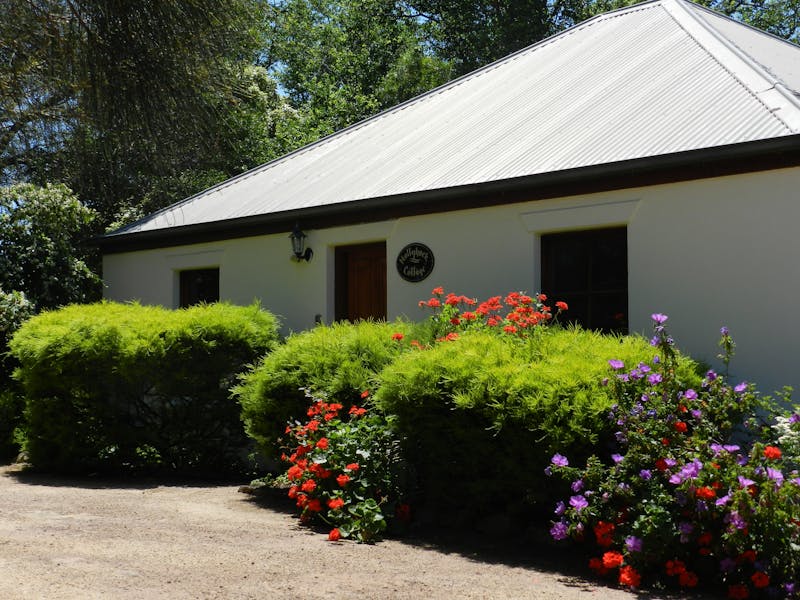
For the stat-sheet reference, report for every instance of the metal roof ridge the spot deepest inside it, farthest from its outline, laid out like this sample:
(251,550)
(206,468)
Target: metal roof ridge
(775,97)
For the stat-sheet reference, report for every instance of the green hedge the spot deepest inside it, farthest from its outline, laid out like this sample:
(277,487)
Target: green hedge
(481,415)
(339,361)
(116,386)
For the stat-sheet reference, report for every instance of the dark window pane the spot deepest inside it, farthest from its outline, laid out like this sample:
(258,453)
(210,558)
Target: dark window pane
(589,271)
(199,285)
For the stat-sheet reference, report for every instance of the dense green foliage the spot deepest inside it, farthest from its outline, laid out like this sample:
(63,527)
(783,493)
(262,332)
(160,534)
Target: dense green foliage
(43,251)
(119,386)
(14,310)
(123,100)
(338,362)
(474,409)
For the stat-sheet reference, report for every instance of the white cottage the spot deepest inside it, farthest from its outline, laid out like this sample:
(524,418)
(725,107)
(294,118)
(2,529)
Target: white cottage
(645,160)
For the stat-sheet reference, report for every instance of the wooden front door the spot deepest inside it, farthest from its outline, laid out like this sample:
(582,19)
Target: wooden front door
(361,282)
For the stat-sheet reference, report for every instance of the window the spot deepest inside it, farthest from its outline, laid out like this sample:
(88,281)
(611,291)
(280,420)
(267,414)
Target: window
(199,285)
(589,271)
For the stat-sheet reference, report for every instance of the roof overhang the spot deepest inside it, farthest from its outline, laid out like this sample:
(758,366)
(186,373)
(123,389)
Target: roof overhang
(760,155)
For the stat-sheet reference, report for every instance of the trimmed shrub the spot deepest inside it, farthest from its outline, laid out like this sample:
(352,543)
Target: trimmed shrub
(337,361)
(124,386)
(481,414)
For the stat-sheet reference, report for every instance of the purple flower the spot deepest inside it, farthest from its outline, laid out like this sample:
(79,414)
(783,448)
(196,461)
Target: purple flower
(727,565)
(745,482)
(686,529)
(659,318)
(690,394)
(559,460)
(559,530)
(716,448)
(735,519)
(617,458)
(723,331)
(670,462)
(711,375)
(697,413)
(676,479)
(790,588)
(646,474)
(731,448)
(578,503)
(616,364)
(776,475)
(560,508)
(577,485)
(654,378)
(795,418)
(740,388)
(623,377)
(633,543)
(656,359)
(655,341)
(722,500)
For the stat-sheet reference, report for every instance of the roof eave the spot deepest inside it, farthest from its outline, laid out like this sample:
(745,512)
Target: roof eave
(760,155)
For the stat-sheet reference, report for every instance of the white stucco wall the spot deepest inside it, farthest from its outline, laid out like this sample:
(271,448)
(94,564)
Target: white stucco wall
(708,253)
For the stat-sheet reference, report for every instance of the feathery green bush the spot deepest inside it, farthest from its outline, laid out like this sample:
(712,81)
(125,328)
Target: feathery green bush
(121,386)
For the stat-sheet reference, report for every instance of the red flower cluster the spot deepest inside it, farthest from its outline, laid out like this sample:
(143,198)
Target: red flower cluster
(308,491)
(522,312)
(604,533)
(772,453)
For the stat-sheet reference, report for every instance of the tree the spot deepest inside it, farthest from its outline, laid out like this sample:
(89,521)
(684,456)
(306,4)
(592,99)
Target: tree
(340,61)
(122,99)
(473,33)
(43,252)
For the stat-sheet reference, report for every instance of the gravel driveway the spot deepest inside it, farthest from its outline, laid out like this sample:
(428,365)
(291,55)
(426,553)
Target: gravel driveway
(85,539)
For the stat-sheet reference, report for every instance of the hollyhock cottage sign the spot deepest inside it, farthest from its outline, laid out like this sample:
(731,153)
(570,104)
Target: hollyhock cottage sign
(646,160)
(415,262)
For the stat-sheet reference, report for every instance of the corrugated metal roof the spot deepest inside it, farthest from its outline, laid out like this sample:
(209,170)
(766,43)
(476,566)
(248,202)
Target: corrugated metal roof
(657,78)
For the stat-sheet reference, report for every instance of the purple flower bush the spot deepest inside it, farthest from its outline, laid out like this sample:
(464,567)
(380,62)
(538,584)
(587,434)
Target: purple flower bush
(695,491)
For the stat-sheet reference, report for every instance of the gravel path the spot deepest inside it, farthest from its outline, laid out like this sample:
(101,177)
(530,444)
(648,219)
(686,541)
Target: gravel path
(87,539)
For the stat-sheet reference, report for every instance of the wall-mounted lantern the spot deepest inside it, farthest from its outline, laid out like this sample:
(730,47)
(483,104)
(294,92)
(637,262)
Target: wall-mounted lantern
(298,245)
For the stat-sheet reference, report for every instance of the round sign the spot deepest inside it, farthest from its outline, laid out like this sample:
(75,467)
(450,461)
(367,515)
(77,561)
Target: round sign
(415,262)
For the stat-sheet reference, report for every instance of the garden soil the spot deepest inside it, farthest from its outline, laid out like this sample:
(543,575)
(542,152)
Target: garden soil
(89,538)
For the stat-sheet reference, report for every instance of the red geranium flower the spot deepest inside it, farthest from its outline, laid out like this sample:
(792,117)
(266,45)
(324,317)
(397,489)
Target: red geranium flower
(687,579)
(760,579)
(352,467)
(322,444)
(438,291)
(674,567)
(612,559)
(342,480)
(562,306)
(628,576)
(738,592)
(365,394)
(772,453)
(334,535)
(309,485)
(314,505)
(294,472)
(705,493)
(596,565)
(403,512)
(680,427)
(335,503)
